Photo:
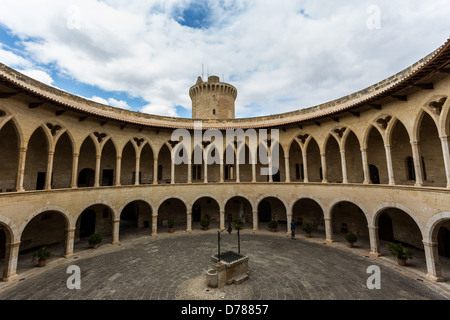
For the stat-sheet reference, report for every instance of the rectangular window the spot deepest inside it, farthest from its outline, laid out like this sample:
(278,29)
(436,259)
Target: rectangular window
(160,172)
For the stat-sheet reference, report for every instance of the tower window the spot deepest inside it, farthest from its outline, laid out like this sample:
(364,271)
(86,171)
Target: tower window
(214,111)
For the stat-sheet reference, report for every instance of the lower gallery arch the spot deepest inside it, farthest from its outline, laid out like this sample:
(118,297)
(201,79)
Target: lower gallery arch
(96,218)
(5,239)
(239,207)
(307,210)
(47,229)
(272,208)
(348,217)
(441,235)
(397,226)
(172,208)
(206,208)
(135,218)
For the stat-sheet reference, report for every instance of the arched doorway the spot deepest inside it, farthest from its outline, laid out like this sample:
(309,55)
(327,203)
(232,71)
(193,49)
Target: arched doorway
(348,217)
(175,209)
(239,207)
(96,218)
(135,218)
(87,223)
(86,178)
(206,208)
(374,174)
(308,210)
(272,208)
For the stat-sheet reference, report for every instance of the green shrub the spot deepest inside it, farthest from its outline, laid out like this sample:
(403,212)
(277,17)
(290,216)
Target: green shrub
(95,238)
(350,237)
(42,254)
(205,223)
(273,224)
(171,223)
(399,251)
(238,224)
(308,227)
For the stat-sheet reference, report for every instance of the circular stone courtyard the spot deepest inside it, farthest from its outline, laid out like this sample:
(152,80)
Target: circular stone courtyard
(173,266)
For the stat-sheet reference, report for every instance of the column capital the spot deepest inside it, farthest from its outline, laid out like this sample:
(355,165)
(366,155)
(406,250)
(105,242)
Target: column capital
(23,149)
(363,149)
(374,228)
(387,146)
(444,138)
(414,143)
(71,229)
(75,154)
(429,244)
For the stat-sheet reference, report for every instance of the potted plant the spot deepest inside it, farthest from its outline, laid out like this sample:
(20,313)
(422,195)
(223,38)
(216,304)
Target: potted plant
(273,225)
(400,252)
(171,225)
(238,224)
(308,227)
(205,223)
(351,239)
(95,239)
(42,255)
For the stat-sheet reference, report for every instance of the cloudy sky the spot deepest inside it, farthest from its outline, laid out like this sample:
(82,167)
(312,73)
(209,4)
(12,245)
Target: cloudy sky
(281,55)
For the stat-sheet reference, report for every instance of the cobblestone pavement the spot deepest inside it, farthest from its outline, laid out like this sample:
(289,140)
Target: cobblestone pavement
(149,268)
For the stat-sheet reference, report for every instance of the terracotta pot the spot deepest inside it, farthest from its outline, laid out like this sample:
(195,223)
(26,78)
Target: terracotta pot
(171,230)
(273,230)
(42,263)
(401,262)
(349,244)
(94,246)
(308,235)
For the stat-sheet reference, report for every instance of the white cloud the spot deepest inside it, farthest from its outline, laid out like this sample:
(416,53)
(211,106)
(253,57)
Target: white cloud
(279,55)
(111,102)
(38,75)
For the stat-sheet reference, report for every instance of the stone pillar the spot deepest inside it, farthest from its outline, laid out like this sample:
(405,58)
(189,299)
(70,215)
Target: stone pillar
(344,167)
(324,167)
(118,169)
(221,171)
(138,168)
(253,171)
(70,236)
(305,168)
(21,169)
(238,177)
(48,176)
(172,172)
(154,225)
(155,170)
(74,183)
(189,179)
(222,219)
(289,219)
(365,165)
(255,221)
(374,242)
(189,221)
(97,170)
(417,163)
(11,257)
(116,225)
(270,169)
(446,155)
(387,148)
(432,259)
(287,169)
(205,172)
(328,230)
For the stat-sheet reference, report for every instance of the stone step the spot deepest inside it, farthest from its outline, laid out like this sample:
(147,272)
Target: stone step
(240,279)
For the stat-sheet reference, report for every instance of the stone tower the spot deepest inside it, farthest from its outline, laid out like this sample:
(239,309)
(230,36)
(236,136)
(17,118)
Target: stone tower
(212,99)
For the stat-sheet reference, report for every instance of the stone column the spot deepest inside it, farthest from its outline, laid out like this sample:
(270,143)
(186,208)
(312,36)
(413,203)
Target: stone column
(221,171)
(328,230)
(222,219)
(344,167)
(48,176)
(116,225)
(288,172)
(172,172)
(189,179)
(138,168)
(97,170)
(255,221)
(305,168)
(446,155)
(324,167)
(365,165)
(270,169)
(238,177)
(374,242)
(254,172)
(189,221)
(21,169)
(432,259)
(387,148)
(155,170)
(154,225)
(417,163)
(205,172)
(70,236)
(118,169)
(289,219)
(11,257)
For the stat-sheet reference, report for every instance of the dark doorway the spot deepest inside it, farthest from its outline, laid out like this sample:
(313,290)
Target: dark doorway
(264,211)
(107,177)
(2,244)
(385,229)
(197,213)
(40,183)
(276,177)
(374,174)
(87,223)
(86,178)
(444,242)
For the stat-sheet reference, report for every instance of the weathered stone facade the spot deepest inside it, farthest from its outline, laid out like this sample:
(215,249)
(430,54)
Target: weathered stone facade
(376,163)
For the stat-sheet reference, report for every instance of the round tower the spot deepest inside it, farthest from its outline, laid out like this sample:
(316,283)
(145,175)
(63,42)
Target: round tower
(212,99)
